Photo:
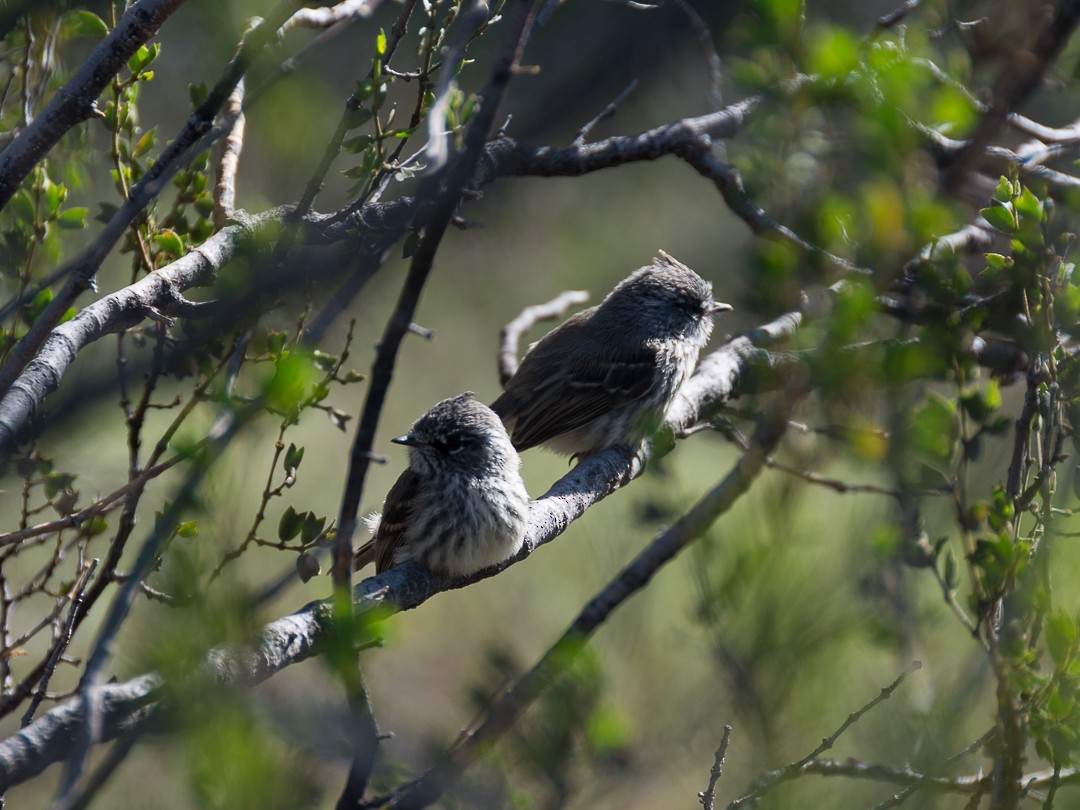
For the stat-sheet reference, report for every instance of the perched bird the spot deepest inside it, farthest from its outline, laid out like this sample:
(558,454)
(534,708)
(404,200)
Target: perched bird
(461,505)
(607,375)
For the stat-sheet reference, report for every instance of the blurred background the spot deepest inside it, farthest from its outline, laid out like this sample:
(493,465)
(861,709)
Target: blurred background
(787,616)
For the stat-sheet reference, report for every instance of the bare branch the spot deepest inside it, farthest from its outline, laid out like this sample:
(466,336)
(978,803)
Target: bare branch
(510,336)
(329,16)
(708,797)
(582,134)
(1016,82)
(770,780)
(229,162)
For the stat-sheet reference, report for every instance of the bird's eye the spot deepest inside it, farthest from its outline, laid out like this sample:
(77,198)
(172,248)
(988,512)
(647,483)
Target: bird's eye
(455,444)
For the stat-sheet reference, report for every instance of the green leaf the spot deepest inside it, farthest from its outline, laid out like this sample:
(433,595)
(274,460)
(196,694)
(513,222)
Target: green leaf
(293,456)
(360,142)
(1029,206)
(1004,191)
(313,527)
(189,528)
(1000,217)
(290,524)
(143,57)
(144,144)
(380,43)
(934,430)
(55,194)
(169,243)
(84,23)
(73,219)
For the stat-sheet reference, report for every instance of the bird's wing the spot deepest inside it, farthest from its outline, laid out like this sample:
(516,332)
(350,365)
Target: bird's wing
(397,511)
(558,391)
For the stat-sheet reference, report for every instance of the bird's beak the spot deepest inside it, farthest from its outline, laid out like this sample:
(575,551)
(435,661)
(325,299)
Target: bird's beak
(719,306)
(407,439)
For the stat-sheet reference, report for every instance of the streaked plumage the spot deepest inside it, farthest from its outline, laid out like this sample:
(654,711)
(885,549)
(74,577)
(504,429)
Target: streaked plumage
(461,506)
(607,374)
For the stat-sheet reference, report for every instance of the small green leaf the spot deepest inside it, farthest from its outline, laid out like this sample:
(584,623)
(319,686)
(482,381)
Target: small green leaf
(290,524)
(188,529)
(293,456)
(55,194)
(169,243)
(143,57)
(1029,206)
(144,144)
(1004,190)
(1000,217)
(359,143)
(313,527)
(380,43)
(73,219)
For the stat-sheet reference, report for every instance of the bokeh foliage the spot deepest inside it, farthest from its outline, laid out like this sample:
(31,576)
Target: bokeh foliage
(902,518)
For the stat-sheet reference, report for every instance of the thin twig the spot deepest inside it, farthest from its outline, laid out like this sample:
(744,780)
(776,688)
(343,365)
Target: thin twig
(510,336)
(1015,83)
(582,134)
(771,779)
(62,642)
(708,797)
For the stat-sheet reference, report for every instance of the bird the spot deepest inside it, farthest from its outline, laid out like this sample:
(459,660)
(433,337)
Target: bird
(607,374)
(461,505)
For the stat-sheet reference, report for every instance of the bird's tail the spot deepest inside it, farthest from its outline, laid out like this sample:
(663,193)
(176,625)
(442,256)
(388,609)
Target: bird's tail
(364,555)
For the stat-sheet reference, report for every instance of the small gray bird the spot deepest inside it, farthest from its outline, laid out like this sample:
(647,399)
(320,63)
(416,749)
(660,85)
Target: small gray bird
(607,375)
(461,505)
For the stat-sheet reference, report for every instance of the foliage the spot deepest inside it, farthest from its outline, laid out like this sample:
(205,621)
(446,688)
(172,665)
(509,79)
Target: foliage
(912,237)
